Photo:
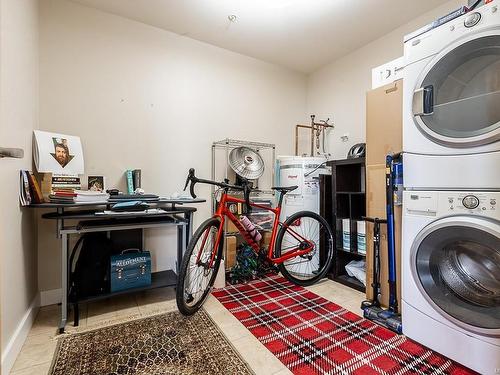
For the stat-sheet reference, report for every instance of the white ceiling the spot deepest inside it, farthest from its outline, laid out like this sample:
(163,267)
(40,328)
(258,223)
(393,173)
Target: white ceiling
(300,34)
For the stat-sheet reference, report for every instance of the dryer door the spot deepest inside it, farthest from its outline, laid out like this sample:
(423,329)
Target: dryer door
(456,264)
(456,102)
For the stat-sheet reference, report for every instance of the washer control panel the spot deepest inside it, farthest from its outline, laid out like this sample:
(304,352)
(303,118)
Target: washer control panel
(442,203)
(474,202)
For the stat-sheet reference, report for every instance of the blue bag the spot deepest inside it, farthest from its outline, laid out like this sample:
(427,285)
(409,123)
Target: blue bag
(130,269)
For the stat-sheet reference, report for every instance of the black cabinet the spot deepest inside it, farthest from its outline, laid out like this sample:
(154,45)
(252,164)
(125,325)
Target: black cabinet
(346,200)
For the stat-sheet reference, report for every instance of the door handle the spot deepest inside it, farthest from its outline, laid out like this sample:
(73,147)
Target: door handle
(423,101)
(17,153)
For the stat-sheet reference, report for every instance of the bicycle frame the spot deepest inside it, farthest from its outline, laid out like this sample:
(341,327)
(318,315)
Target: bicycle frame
(223,211)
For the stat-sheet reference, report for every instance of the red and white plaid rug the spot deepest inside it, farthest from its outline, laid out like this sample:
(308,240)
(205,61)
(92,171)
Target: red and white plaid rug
(312,335)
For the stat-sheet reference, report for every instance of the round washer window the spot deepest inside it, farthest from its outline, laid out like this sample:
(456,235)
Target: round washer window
(465,86)
(459,270)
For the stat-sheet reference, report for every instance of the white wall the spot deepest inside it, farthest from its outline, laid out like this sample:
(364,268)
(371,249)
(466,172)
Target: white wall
(18,118)
(142,97)
(338,89)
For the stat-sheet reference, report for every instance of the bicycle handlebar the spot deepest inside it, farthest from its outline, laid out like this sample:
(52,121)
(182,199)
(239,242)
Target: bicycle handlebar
(194,180)
(374,220)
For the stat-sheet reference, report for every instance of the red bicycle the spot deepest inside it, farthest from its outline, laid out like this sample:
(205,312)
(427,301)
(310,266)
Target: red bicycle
(301,246)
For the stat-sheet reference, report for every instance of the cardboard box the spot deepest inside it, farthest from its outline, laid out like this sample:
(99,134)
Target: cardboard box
(384,135)
(266,240)
(375,191)
(230,227)
(384,122)
(46,185)
(230,259)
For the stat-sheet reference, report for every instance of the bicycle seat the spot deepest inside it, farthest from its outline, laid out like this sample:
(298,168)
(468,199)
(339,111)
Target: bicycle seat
(284,189)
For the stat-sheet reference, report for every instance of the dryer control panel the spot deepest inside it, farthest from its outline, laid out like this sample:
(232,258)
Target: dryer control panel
(443,203)
(432,38)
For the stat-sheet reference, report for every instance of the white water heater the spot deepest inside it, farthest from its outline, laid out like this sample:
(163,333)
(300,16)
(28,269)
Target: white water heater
(303,172)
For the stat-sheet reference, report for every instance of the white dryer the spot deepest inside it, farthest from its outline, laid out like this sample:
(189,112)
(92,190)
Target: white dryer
(452,103)
(451,275)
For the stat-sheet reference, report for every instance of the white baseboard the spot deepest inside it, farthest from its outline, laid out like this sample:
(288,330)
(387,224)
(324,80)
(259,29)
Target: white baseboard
(50,297)
(13,347)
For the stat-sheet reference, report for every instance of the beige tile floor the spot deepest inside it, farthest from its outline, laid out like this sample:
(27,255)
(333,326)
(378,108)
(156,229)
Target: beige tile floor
(36,355)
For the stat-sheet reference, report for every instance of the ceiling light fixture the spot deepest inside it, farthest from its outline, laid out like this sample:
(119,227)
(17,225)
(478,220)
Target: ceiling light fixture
(232,18)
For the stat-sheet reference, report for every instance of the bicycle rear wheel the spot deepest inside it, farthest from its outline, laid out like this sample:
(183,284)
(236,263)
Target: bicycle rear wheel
(297,232)
(196,278)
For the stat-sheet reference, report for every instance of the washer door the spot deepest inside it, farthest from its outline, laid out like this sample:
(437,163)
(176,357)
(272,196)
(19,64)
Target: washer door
(456,100)
(456,264)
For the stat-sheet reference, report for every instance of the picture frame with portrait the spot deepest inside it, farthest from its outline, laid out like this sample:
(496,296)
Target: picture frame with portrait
(96,183)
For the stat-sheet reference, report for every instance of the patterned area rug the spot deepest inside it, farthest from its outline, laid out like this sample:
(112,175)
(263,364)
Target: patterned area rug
(162,344)
(312,335)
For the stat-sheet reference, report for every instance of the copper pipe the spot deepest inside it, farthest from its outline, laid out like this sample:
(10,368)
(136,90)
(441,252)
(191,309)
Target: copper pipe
(315,126)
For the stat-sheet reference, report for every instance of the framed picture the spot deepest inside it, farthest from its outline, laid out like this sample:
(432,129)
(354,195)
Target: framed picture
(96,183)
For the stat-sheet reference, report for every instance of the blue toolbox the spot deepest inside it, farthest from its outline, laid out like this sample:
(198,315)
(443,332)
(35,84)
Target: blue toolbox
(130,269)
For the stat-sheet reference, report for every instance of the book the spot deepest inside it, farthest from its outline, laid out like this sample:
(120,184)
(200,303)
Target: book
(66,187)
(24,189)
(130,181)
(36,192)
(65,179)
(64,194)
(136,175)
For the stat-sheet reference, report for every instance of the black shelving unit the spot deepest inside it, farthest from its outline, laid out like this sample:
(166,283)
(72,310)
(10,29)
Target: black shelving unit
(348,201)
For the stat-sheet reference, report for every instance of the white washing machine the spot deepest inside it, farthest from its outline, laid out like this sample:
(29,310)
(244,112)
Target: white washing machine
(451,275)
(452,103)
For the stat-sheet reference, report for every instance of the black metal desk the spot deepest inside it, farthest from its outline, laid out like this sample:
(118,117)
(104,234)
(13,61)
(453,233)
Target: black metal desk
(91,219)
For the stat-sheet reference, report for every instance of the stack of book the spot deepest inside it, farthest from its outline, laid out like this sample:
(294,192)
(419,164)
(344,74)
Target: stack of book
(79,196)
(65,183)
(64,188)
(62,197)
(91,196)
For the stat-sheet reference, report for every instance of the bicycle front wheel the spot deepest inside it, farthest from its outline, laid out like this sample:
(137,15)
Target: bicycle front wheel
(197,276)
(299,231)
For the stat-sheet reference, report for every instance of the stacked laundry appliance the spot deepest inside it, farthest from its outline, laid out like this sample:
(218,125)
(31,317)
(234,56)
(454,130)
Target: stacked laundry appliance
(451,214)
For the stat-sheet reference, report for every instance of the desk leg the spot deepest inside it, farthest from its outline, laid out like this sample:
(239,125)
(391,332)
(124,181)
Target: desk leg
(181,245)
(189,230)
(64,282)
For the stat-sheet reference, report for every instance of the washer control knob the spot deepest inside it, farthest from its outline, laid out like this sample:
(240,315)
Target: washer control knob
(471,202)
(493,202)
(472,19)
